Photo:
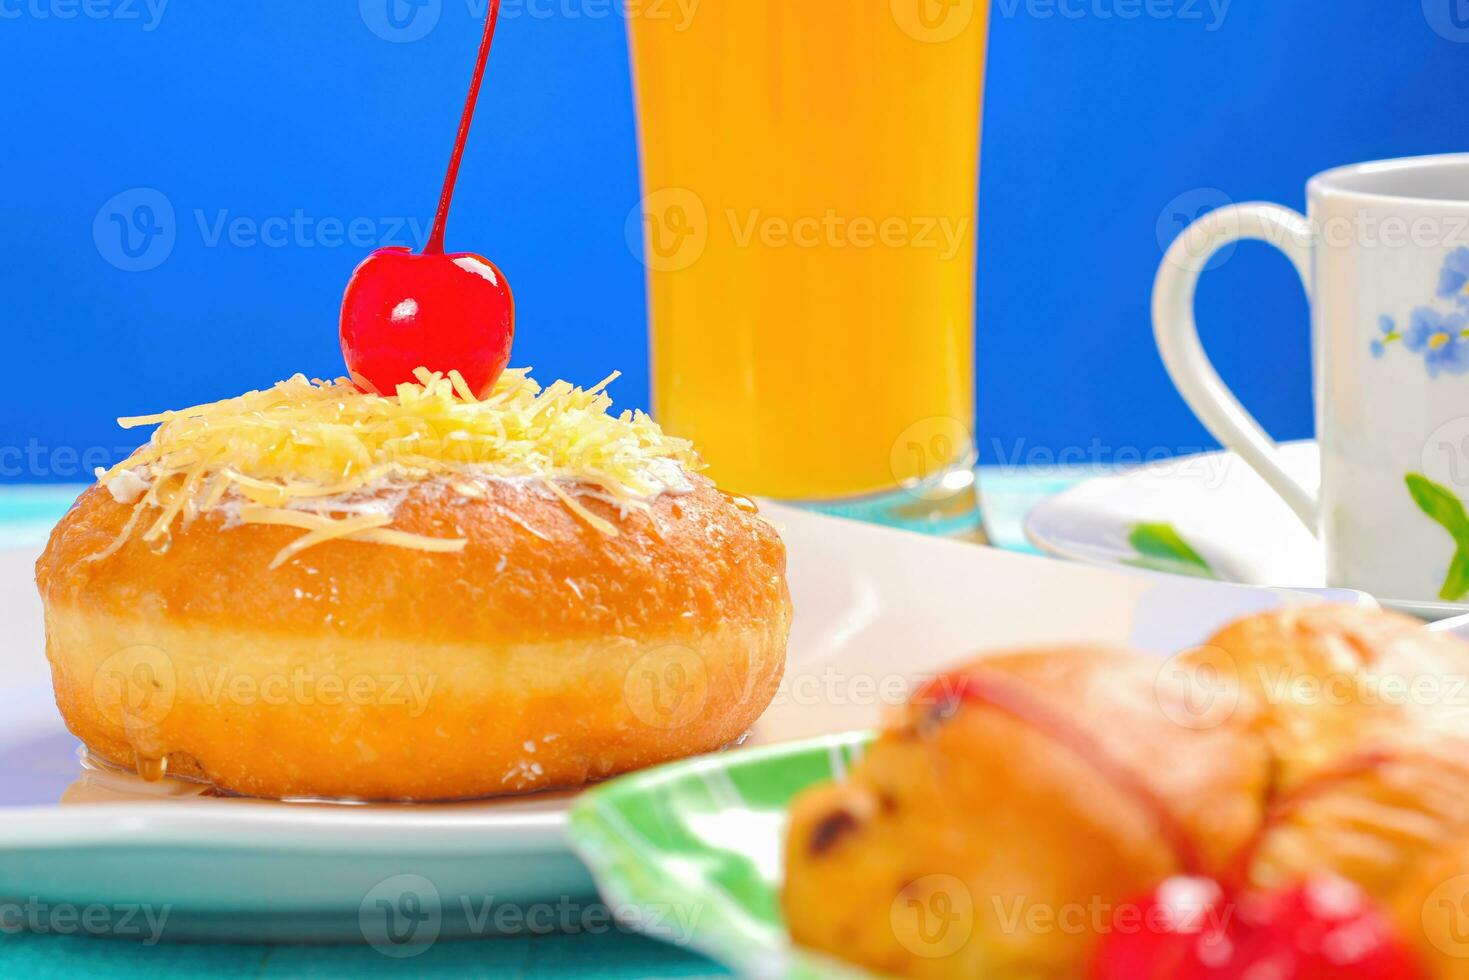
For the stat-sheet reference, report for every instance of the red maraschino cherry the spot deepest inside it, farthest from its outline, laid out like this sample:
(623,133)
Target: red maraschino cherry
(1170,931)
(404,311)
(1191,929)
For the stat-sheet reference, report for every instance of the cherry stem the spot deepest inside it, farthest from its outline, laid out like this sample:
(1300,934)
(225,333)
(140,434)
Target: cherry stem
(435,244)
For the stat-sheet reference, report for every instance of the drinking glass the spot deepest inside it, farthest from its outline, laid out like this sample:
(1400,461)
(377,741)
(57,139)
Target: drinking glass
(810,177)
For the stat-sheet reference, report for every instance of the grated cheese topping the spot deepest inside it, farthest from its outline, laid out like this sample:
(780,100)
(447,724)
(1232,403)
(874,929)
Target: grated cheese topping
(316,455)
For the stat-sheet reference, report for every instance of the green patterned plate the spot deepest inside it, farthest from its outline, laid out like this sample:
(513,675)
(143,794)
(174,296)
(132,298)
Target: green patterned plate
(691,852)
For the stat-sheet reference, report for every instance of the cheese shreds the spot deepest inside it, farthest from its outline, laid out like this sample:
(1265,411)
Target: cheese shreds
(515,518)
(324,528)
(121,539)
(417,542)
(335,529)
(303,454)
(606,527)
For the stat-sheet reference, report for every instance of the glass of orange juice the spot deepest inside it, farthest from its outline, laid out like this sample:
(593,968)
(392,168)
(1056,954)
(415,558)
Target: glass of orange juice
(810,177)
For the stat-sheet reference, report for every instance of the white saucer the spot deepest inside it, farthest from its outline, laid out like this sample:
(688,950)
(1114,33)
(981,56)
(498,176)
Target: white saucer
(876,610)
(1217,504)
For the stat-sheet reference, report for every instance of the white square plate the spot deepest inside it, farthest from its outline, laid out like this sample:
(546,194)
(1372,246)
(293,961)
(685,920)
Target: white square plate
(876,610)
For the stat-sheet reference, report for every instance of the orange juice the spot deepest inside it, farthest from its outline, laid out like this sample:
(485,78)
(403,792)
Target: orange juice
(810,170)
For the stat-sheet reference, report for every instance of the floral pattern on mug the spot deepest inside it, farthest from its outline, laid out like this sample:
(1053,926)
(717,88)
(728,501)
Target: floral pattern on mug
(1453,279)
(1440,336)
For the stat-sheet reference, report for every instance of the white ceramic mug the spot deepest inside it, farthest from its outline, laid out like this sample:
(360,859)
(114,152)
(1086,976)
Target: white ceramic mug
(1384,256)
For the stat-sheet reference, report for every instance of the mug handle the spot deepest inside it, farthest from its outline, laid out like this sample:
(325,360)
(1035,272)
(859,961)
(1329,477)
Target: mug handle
(1177,335)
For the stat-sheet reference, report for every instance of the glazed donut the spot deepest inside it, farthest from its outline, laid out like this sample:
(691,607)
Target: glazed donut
(1052,782)
(564,635)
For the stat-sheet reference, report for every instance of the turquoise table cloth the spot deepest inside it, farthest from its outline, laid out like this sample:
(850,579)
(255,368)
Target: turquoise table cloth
(26,516)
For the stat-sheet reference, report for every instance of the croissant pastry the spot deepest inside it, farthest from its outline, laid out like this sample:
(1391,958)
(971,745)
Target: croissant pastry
(1048,782)
(1015,809)
(1364,715)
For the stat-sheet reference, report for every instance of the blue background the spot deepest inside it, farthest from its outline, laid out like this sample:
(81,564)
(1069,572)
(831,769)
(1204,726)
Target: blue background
(1100,130)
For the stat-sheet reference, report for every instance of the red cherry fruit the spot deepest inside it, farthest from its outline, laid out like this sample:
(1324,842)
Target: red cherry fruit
(444,312)
(1325,928)
(1165,935)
